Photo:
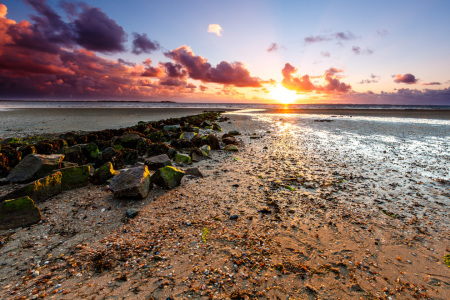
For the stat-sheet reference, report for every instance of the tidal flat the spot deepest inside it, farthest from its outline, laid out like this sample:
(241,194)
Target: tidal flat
(311,207)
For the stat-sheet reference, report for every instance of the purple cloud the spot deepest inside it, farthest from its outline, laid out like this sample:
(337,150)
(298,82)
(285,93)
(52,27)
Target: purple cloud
(358,51)
(325,53)
(432,83)
(406,78)
(142,44)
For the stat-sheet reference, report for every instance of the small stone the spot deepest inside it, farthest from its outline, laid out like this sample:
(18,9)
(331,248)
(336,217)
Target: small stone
(131,213)
(234,132)
(234,217)
(232,148)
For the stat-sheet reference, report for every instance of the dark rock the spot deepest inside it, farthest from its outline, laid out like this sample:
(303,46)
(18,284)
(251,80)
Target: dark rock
(181,144)
(27,150)
(197,155)
(158,148)
(232,148)
(10,158)
(19,212)
(133,183)
(216,127)
(205,124)
(172,128)
(234,217)
(206,149)
(35,166)
(102,174)
(182,159)
(129,156)
(158,161)
(38,190)
(74,154)
(212,141)
(234,132)
(107,155)
(131,213)
(168,177)
(229,140)
(188,135)
(194,172)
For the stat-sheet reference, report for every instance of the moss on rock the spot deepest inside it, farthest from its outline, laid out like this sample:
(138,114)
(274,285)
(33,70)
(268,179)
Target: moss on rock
(19,212)
(74,177)
(168,177)
(182,159)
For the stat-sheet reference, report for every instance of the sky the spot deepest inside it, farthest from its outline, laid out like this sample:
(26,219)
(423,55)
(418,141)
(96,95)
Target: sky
(253,51)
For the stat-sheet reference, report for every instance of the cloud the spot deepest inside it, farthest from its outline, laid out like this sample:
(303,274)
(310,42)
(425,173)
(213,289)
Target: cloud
(303,84)
(142,44)
(150,71)
(432,83)
(373,79)
(3,10)
(337,36)
(406,78)
(215,28)
(274,47)
(225,73)
(174,70)
(325,53)
(358,51)
(126,63)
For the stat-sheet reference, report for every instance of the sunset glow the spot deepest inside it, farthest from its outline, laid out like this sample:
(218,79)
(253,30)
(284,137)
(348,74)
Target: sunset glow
(283,95)
(50,49)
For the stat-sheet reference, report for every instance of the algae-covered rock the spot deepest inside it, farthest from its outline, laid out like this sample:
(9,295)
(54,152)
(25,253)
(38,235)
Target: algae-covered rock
(172,128)
(182,159)
(133,183)
(38,190)
(216,127)
(168,177)
(19,212)
(102,174)
(232,148)
(234,132)
(73,154)
(212,141)
(188,135)
(229,140)
(205,149)
(35,166)
(74,177)
(158,161)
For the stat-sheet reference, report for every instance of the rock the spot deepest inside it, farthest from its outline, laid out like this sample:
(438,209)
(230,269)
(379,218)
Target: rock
(205,124)
(234,132)
(229,140)
(205,149)
(168,177)
(216,127)
(181,144)
(102,174)
(172,128)
(158,161)
(107,155)
(35,166)
(74,177)
(90,151)
(212,141)
(233,148)
(187,135)
(193,172)
(129,156)
(19,212)
(9,158)
(131,213)
(133,183)
(182,159)
(234,217)
(38,190)
(128,140)
(73,154)
(197,155)
(158,148)
(27,150)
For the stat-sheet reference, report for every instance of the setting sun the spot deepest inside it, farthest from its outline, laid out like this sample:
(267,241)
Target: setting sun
(283,95)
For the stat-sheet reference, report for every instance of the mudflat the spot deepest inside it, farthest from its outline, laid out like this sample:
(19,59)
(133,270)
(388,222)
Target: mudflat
(300,212)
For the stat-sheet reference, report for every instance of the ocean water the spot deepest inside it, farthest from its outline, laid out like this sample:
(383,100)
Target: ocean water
(7,105)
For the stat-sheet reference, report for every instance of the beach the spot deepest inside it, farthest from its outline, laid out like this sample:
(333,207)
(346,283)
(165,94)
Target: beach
(315,205)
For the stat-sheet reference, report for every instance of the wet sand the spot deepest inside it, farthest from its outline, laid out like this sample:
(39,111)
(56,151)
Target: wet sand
(398,113)
(38,121)
(298,213)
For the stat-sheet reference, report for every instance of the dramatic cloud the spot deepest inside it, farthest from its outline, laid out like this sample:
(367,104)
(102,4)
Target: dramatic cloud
(126,63)
(303,84)
(215,28)
(174,70)
(325,53)
(432,83)
(225,73)
(337,36)
(91,28)
(358,51)
(406,78)
(142,44)
(150,71)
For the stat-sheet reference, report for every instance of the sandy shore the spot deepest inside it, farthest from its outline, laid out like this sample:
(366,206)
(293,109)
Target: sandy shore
(37,121)
(287,217)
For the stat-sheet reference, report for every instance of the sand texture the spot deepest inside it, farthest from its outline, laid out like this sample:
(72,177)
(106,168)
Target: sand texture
(305,210)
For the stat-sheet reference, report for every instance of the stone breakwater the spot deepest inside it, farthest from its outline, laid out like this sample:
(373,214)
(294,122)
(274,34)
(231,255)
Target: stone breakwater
(40,169)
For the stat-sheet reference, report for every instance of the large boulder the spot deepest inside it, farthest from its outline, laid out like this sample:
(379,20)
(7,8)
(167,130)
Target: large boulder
(168,177)
(131,141)
(102,174)
(19,212)
(74,177)
(158,161)
(73,154)
(38,190)
(133,183)
(35,166)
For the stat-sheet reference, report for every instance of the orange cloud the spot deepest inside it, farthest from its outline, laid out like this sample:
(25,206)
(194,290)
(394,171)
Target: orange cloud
(215,28)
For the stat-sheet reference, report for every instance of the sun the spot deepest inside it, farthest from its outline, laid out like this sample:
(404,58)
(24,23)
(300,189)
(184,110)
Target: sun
(283,95)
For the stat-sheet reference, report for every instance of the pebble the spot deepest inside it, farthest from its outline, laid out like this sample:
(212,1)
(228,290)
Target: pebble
(234,217)
(131,213)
